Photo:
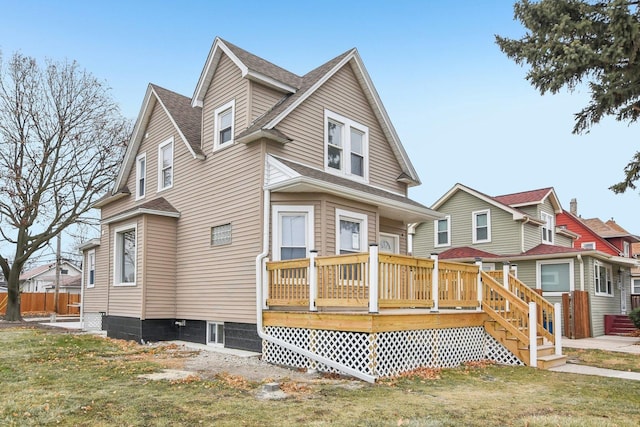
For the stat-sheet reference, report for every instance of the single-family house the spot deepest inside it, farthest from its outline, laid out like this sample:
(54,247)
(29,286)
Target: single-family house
(268,212)
(43,278)
(531,234)
(635,279)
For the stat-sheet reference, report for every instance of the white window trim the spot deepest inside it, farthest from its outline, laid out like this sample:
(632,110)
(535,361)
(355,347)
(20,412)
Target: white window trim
(142,156)
(215,344)
(609,271)
(633,286)
(396,241)
(173,170)
(345,169)
(550,219)
(276,237)
(435,232)
(216,131)
(474,216)
(588,245)
(555,261)
(117,267)
(626,249)
(355,217)
(91,253)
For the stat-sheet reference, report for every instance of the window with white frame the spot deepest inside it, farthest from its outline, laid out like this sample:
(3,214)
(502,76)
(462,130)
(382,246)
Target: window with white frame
(346,146)
(223,128)
(215,333)
(165,165)
(292,229)
(626,249)
(481,226)
(554,277)
(603,277)
(91,268)
(141,175)
(442,231)
(548,227)
(125,255)
(221,234)
(389,243)
(588,245)
(635,286)
(351,232)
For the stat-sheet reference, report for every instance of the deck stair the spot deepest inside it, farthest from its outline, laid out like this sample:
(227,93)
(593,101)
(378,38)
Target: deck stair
(619,325)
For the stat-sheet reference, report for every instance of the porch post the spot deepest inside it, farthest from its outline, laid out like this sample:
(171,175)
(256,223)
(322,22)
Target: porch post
(435,290)
(373,278)
(557,332)
(506,268)
(533,335)
(479,264)
(313,280)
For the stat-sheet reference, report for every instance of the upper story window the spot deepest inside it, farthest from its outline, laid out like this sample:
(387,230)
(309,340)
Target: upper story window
(125,256)
(165,165)
(91,268)
(588,245)
(346,146)
(548,228)
(481,226)
(223,128)
(141,175)
(626,249)
(442,232)
(603,279)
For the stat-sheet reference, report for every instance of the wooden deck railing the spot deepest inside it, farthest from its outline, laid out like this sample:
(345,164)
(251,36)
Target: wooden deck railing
(288,282)
(343,280)
(458,285)
(405,281)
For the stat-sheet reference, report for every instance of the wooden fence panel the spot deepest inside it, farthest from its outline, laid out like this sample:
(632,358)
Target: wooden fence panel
(44,303)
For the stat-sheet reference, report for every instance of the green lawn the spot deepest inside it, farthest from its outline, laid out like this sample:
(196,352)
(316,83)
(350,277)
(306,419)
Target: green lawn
(49,378)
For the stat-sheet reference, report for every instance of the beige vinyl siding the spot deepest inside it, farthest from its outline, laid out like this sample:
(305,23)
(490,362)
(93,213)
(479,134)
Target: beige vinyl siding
(341,94)
(395,227)
(423,240)
(127,300)
(159,267)
(532,236)
(305,199)
(95,299)
(262,99)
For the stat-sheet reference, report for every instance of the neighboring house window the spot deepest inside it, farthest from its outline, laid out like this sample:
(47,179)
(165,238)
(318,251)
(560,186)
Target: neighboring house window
(141,175)
(389,243)
(554,277)
(293,232)
(91,268)
(603,276)
(215,333)
(547,228)
(351,232)
(125,256)
(224,119)
(481,226)
(588,245)
(221,235)
(635,286)
(442,231)
(346,146)
(64,271)
(165,165)
(626,249)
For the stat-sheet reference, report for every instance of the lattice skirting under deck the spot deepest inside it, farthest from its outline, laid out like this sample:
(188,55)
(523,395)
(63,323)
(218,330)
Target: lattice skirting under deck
(92,321)
(385,354)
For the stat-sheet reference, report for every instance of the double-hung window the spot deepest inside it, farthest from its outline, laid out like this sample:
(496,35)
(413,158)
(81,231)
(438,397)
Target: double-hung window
(125,255)
(91,268)
(292,231)
(603,276)
(481,226)
(635,286)
(626,249)
(141,175)
(442,231)
(223,128)
(165,165)
(547,228)
(346,146)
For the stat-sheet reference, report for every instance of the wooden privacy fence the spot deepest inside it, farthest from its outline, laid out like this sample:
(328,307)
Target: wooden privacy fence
(44,303)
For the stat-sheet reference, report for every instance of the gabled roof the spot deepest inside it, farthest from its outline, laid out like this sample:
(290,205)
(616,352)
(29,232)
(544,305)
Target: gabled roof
(579,223)
(42,269)
(159,206)
(465,252)
(609,230)
(532,197)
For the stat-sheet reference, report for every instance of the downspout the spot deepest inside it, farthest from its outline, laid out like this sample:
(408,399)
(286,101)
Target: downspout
(261,260)
(581,261)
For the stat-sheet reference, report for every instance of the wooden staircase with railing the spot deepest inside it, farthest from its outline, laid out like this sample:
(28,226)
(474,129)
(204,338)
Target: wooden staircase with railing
(510,321)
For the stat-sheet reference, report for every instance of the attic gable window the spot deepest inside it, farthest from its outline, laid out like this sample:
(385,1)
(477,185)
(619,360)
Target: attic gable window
(224,120)
(346,146)
(165,165)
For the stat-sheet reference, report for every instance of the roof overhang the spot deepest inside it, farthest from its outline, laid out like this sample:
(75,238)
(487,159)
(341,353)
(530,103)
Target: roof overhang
(137,212)
(89,244)
(270,134)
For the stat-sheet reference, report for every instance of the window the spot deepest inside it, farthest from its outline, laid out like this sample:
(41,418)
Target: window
(548,228)
(351,232)
(215,333)
(64,271)
(481,226)
(125,256)
(91,269)
(293,232)
(141,175)
(223,129)
(603,276)
(221,235)
(626,249)
(554,277)
(635,286)
(442,231)
(588,245)
(165,165)
(346,146)
(389,243)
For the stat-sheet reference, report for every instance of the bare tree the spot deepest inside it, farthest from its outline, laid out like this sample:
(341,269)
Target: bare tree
(61,141)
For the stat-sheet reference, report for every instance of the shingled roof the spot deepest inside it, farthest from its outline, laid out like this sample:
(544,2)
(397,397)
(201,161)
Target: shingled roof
(524,198)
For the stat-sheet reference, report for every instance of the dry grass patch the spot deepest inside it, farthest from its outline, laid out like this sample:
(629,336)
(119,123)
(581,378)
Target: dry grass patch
(604,359)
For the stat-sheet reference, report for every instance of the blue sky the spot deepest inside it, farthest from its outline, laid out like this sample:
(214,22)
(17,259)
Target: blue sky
(464,112)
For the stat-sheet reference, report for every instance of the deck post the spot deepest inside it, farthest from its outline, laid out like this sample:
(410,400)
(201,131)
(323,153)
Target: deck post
(533,335)
(557,328)
(313,280)
(479,264)
(506,268)
(435,290)
(373,278)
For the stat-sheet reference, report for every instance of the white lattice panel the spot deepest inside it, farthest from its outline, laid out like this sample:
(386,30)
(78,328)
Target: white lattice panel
(92,321)
(495,351)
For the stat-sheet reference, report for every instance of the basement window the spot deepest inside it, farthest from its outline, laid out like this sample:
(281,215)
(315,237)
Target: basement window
(215,333)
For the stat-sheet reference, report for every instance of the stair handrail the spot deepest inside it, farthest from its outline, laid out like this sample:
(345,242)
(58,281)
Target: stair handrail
(527,294)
